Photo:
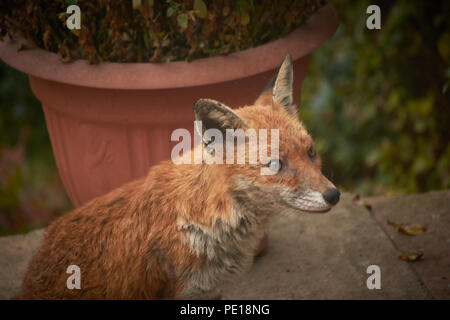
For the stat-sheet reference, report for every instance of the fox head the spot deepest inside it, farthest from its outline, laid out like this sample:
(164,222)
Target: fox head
(296,182)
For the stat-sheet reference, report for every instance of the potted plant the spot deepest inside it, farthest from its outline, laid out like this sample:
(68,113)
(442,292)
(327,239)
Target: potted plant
(113,91)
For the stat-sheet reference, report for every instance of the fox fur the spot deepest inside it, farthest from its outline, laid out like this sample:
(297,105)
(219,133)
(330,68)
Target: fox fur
(184,230)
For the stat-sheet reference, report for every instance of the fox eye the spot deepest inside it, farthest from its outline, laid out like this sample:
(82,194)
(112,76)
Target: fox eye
(312,153)
(274,165)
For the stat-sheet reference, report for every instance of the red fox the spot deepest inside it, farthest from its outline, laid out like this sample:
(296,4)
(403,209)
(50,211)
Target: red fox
(186,229)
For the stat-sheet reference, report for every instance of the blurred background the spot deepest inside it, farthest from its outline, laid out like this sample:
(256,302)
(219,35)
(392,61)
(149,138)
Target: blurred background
(377,103)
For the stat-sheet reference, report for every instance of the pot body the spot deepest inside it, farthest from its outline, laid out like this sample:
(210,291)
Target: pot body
(103,138)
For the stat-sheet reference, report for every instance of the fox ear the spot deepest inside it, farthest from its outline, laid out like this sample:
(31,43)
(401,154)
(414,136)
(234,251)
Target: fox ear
(216,115)
(282,89)
(279,89)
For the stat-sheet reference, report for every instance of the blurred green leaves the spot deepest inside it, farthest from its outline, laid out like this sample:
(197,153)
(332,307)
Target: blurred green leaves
(31,193)
(375,101)
(200,8)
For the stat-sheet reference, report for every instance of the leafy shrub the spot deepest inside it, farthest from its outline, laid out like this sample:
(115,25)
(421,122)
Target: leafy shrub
(155,31)
(378,101)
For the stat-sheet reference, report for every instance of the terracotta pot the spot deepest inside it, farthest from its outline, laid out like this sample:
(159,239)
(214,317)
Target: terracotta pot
(109,123)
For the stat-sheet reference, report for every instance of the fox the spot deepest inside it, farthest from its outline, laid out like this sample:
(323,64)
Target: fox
(185,230)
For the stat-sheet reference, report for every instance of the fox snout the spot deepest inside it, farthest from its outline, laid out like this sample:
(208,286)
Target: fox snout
(309,200)
(326,196)
(313,193)
(331,196)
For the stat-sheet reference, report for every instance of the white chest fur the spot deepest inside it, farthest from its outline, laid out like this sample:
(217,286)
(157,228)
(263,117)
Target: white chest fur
(226,250)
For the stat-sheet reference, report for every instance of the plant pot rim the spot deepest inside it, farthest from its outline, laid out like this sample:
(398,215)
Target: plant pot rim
(113,75)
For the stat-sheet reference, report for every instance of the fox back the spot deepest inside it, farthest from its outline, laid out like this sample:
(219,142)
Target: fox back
(186,229)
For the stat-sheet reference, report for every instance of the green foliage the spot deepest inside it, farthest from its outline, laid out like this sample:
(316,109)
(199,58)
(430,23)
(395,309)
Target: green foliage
(31,193)
(377,101)
(152,31)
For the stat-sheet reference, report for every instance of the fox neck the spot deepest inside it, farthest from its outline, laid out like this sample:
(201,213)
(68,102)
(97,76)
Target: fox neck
(215,194)
(215,209)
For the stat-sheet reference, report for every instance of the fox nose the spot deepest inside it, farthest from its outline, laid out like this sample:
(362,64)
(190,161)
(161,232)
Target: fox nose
(331,196)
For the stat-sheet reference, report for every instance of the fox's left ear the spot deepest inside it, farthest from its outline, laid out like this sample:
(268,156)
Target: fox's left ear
(279,89)
(215,115)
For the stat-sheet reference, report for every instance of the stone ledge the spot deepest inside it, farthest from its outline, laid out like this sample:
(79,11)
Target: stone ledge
(320,256)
